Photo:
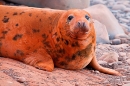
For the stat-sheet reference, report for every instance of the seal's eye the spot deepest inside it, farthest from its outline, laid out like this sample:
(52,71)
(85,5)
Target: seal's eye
(70,18)
(87,17)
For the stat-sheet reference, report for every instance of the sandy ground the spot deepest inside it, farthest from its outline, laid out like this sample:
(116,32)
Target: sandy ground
(15,73)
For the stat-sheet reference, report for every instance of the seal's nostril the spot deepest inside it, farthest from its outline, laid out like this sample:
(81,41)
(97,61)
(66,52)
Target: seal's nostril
(79,24)
(84,24)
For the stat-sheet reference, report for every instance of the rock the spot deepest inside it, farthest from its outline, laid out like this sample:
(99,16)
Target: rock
(21,79)
(103,46)
(121,70)
(98,2)
(124,78)
(123,46)
(119,62)
(113,65)
(124,20)
(128,84)
(127,10)
(128,15)
(122,58)
(115,11)
(102,62)
(120,39)
(110,4)
(128,61)
(124,40)
(110,57)
(108,65)
(119,7)
(119,15)
(101,32)
(124,25)
(124,2)
(116,41)
(110,0)
(122,54)
(97,72)
(106,81)
(6,80)
(128,55)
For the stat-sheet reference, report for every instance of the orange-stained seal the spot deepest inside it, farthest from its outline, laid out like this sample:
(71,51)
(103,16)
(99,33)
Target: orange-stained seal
(45,38)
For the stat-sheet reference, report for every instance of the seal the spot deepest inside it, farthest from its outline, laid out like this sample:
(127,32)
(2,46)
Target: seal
(45,38)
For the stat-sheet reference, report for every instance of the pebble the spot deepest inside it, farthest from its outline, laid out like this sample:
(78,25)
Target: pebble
(124,78)
(128,61)
(122,2)
(124,20)
(127,9)
(21,79)
(116,42)
(128,55)
(119,7)
(102,34)
(77,84)
(98,2)
(110,4)
(119,15)
(125,25)
(113,65)
(115,11)
(102,62)
(106,81)
(122,58)
(110,0)
(123,54)
(121,70)
(119,63)
(128,84)
(120,46)
(97,72)
(127,14)
(110,57)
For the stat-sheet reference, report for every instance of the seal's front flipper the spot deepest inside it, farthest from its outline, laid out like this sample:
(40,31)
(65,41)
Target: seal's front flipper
(98,67)
(40,60)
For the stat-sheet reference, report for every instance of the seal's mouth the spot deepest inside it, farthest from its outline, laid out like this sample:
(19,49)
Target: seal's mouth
(79,31)
(78,35)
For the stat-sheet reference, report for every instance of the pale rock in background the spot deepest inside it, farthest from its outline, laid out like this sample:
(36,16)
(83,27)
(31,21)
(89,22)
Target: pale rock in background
(110,57)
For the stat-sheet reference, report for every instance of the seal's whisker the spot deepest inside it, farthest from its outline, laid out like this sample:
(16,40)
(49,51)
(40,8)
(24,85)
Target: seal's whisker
(70,33)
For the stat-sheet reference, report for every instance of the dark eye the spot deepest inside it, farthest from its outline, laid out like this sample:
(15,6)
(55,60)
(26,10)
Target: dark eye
(87,17)
(70,18)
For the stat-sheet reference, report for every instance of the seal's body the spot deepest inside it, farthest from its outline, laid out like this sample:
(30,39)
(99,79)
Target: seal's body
(45,38)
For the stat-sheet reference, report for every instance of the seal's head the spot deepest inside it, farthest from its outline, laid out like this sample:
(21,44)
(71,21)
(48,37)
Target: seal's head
(76,24)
